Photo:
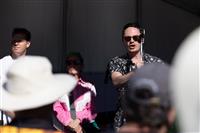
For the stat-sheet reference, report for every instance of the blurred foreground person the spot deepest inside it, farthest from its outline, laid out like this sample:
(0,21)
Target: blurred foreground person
(147,104)
(185,83)
(29,91)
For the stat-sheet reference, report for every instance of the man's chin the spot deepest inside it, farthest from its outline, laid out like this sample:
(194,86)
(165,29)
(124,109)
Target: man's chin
(133,50)
(17,54)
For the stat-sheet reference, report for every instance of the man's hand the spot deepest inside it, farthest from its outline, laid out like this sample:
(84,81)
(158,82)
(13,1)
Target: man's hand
(75,126)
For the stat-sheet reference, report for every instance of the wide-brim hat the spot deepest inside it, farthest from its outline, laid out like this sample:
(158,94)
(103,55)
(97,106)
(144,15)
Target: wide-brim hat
(31,84)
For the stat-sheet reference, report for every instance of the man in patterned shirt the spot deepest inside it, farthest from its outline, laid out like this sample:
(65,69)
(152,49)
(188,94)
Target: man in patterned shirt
(121,68)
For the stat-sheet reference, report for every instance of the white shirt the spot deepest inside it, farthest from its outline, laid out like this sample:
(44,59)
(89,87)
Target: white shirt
(5,64)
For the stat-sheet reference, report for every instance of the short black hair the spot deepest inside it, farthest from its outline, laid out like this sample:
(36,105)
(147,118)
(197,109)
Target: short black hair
(24,33)
(133,24)
(76,54)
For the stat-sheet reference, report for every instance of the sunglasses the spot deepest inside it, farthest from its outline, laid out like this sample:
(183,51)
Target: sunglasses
(135,38)
(73,62)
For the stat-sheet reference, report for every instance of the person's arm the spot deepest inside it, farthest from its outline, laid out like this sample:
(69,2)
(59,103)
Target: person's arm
(116,72)
(85,108)
(62,113)
(118,79)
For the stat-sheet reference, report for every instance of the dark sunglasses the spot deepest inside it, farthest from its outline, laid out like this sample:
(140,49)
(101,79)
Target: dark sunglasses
(73,62)
(135,38)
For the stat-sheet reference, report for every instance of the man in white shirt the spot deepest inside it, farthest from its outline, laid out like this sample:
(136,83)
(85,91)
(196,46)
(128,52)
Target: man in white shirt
(21,40)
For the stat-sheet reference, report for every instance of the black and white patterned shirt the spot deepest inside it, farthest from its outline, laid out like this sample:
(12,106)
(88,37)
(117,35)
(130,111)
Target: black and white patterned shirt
(124,65)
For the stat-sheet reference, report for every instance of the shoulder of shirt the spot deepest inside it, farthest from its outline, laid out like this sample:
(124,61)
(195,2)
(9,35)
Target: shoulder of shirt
(124,56)
(8,57)
(6,60)
(87,85)
(114,58)
(146,55)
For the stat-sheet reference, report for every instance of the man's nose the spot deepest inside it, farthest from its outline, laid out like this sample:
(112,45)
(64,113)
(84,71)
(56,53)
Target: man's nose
(132,40)
(15,43)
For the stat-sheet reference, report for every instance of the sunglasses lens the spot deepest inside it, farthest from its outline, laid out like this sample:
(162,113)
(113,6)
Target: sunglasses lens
(135,38)
(127,38)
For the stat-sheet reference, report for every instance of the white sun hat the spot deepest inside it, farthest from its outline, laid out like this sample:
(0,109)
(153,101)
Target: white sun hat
(185,83)
(31,84)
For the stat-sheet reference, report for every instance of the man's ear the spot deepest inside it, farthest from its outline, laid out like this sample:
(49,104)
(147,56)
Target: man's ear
(28,44)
